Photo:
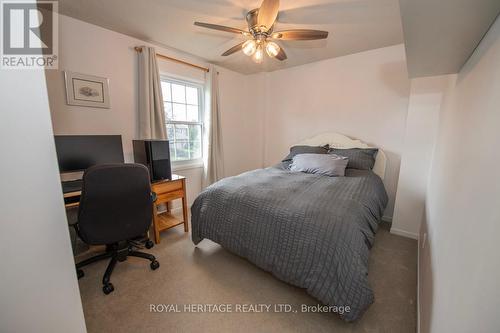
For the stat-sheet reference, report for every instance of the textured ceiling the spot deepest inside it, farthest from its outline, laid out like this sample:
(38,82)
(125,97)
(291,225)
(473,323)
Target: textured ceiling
(354,26)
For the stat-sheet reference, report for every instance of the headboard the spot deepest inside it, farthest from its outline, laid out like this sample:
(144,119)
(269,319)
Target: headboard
(337,140)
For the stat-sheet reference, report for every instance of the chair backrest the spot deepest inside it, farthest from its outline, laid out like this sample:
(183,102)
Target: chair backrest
(115,203)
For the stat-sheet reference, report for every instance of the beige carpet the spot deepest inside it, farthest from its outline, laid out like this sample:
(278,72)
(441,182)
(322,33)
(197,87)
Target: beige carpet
(208,274)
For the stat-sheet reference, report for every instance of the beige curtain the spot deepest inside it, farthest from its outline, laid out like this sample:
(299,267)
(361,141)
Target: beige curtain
(151,109)
(213,152)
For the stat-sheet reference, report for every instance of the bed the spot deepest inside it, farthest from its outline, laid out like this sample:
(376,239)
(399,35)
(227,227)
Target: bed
(309,230)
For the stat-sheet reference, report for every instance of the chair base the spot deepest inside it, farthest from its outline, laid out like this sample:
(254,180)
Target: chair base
(117,252)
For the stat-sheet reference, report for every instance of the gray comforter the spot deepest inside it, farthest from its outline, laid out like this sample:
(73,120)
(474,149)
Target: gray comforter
(312,231)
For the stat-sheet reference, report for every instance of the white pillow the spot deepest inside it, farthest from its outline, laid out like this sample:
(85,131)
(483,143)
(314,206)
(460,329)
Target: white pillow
(324,164)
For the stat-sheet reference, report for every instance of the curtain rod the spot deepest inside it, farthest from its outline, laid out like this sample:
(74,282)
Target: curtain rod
(161,56)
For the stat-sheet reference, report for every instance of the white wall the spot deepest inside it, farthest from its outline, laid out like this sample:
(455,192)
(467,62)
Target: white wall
(38,285)
(90,49)
(459,262)
(426,98)
(364,95)
(242,122)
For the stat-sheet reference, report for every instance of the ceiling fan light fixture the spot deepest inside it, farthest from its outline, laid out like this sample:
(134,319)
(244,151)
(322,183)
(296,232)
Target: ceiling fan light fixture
(272,49)
(249,47)
(260,31)
(258,56)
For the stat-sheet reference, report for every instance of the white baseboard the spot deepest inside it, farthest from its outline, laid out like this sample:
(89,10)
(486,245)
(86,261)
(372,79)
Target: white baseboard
(399,232)
(404,233)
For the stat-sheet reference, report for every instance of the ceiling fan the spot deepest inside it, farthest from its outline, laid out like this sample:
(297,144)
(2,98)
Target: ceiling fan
(260,30)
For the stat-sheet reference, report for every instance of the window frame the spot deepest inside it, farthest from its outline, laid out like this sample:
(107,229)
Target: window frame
(196,162)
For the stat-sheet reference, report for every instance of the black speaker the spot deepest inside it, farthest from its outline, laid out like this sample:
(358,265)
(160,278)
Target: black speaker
(155,155)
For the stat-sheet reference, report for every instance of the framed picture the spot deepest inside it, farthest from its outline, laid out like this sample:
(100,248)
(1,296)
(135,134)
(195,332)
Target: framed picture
(86,90)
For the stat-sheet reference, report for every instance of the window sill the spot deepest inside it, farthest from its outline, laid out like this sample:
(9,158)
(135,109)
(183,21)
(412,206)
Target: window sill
(187,166)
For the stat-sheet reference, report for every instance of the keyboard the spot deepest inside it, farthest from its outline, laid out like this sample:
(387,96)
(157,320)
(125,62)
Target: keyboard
(72,186)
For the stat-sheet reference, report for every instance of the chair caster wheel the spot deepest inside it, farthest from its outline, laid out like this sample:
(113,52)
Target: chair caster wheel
(149,244)
(80,273)
(108,288)
(154,265)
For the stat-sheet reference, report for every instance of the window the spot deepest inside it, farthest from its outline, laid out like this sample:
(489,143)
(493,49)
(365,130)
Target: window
(184,115)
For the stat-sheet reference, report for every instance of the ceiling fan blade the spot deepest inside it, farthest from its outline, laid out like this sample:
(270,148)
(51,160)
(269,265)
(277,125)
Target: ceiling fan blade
(300,34)
(268,12)
(281,55)
(232,50)
(222,28)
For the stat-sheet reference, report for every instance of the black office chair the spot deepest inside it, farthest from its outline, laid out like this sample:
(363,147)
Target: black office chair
(116,207)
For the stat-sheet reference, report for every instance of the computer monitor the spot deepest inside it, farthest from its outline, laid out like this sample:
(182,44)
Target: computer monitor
(79,152)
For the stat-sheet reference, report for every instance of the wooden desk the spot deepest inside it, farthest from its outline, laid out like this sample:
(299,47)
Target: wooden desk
(72,195)
(166,191)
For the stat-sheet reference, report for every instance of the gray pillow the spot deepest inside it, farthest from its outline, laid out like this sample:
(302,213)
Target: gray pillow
(359,158)
(296,150)
(323,164)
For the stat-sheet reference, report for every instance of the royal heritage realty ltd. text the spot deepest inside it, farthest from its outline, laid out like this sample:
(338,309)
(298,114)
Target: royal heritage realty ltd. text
(246,308)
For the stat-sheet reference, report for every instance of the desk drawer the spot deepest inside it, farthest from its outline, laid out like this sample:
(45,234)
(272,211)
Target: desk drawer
(165,187)
(169,196)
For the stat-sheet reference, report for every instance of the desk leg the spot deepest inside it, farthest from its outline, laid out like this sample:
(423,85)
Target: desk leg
(185,214)
(156,228)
